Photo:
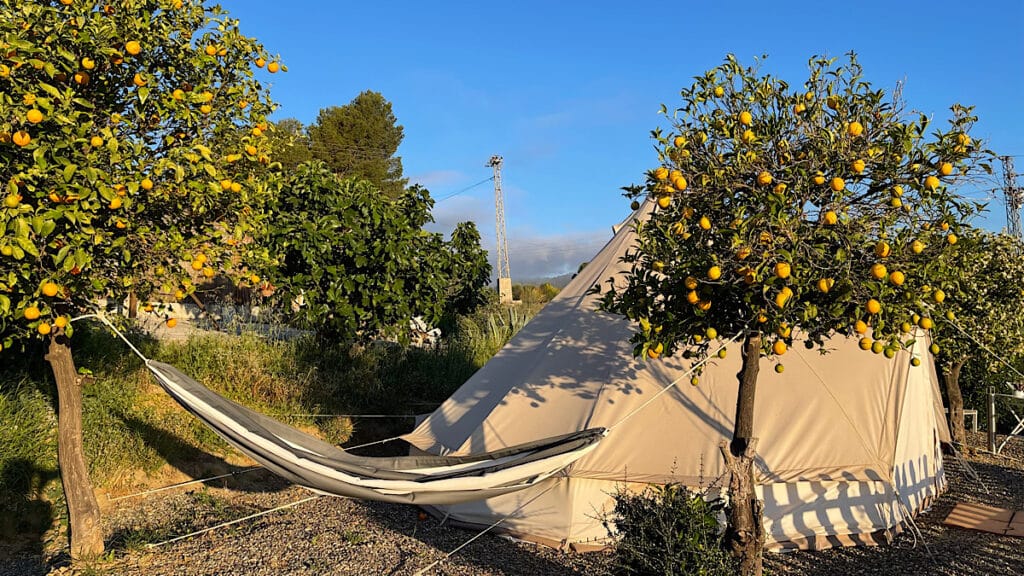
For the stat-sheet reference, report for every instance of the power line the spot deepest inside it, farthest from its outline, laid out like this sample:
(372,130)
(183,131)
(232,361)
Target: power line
(466,189)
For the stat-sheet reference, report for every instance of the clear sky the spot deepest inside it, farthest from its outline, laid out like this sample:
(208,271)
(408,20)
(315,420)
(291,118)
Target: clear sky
(567,92)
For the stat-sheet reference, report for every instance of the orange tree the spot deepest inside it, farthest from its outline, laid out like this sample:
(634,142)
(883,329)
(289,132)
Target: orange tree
(109,114)
(983,323)
(814,211)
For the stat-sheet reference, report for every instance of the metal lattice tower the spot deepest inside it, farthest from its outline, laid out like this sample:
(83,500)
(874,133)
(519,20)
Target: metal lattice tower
(504,276)
(1014,198)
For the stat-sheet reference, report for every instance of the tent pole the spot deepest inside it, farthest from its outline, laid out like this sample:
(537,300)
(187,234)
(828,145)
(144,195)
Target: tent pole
(992,419)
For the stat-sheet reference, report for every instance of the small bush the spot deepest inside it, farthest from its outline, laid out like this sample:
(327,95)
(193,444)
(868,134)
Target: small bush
(669,531)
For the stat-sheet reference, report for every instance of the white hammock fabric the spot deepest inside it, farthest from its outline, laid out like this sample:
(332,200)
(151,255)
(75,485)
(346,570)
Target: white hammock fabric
(325,468)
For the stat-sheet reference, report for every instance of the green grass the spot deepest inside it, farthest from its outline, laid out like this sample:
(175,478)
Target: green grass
(129,425)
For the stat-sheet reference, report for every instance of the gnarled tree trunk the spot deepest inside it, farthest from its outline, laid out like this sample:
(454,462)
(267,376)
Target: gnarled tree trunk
(745,533)
(83,510)
(951,377)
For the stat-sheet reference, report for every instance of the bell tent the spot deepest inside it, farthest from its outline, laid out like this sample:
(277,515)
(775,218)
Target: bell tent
(849,441)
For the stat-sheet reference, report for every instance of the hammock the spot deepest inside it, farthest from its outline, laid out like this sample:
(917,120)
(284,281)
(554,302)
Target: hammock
(325,468)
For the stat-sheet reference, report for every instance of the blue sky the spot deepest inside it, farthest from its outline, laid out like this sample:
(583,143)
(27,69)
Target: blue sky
(567,92)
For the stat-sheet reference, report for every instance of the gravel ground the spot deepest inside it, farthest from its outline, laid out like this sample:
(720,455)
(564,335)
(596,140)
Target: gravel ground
(338,536)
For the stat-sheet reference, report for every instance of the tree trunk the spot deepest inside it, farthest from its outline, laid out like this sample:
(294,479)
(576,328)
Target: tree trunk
(83,510)
(951,376)
(133,305)
(745,533)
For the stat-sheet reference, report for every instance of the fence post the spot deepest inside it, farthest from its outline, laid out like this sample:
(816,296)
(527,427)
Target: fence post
(992,419)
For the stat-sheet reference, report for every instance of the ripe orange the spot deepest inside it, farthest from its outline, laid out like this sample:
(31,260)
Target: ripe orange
(50,289)
(115,203)
(680,183)
(692,297)
(858,166)
(864,343)
(882,249)
(746,118)
(206,108)
(897,278)
(951,239)
(132,47)
(782,270)
(250,150)
(719,91)
(208,272)
(799,108)
(138,80)
(860,327)
(661,173)
(31,313)
(748,136)
(211,50)
(764,178)
(172,322)
(874,306)
(826,284)
(917,246)
(146,184)
(938,296)
(926,323)
(96,141)
(831,218)
(714,273)
(690,282)
(260,62)
(838,184)
(21,138)
(679,141)
(779,347)
(819,178)
(225,184)
(855,128)
(783,296)
(704,223)
(945,168)
(44,328)
(178,94)
(34,116)
(81,77)
(931,182)
(780,188)
(236,187)
(273,67)
(60,321)
(878,271)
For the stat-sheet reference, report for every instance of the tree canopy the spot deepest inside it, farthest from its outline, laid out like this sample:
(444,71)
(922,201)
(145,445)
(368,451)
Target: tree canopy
(360,140)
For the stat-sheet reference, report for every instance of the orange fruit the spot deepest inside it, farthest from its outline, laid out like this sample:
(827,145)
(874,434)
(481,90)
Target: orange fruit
(719,91)
(779,347)
(692,297)
(236,187)
(694,381)
(779,368)
(878,271)
(656,350)
(917,246)
(273,67)
(250,150)
(132,47)
(860,327)
(873,306)
(838,184)
(679,141)
(680,183)
(138,80)
(197,264)
(31,313)
(260,62)
(172,322)
(864,343)
(34,116)
(714,273)
(146,184)
(748,136)
(81,77)
(882,249)
(704,223)
(690,282)
(783,296)
(782,270)
(663,201)
(225,184)
(746,118)
(858,166)
(855,128)
(743,253)
(897,191)
(897,278)
(711,333)
(926,323)
(50,289)
(915,361)
(96,141)
(819,178)
(115,203)
(178,94)
(88,63)
(661,173)
(938,296)
(780,188)
(60,321)
(951,239)
(831,218)
(211,50)
(21,138)
(931,182)
(799,108)
(945,168)
(764,178)
(826,284)
(208,272)
(44,328)
(206,108)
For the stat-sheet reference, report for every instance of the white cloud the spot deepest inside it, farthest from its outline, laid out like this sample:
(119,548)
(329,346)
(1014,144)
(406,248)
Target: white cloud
(438,178)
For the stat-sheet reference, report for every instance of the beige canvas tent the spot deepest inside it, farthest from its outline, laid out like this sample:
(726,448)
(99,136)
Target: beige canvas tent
(849,441)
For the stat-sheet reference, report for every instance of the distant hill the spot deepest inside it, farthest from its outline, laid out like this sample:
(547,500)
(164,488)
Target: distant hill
(556,281)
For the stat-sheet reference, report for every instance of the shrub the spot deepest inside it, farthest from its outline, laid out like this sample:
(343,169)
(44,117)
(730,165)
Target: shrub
(669,530)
